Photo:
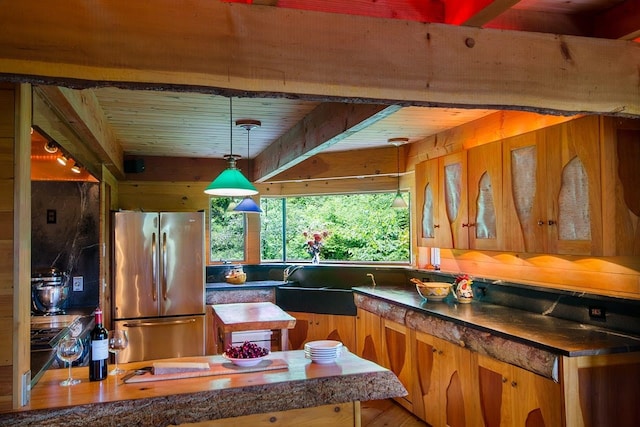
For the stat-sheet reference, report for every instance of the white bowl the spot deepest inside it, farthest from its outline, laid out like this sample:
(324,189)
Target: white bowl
(244,362)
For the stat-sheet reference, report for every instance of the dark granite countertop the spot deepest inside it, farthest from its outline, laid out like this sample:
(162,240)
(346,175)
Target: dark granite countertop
(559,336)
(224,286)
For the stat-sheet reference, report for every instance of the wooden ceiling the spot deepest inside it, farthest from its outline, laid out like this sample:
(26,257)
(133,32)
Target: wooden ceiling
(198,125)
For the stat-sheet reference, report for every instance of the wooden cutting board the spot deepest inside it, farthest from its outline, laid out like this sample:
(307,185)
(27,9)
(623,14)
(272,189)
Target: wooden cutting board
(224,368)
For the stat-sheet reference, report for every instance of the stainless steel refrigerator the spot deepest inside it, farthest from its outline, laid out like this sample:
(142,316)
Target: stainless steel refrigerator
(158,292)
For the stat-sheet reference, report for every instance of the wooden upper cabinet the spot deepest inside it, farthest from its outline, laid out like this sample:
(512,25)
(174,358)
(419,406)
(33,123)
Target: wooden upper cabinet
(442,202)
(552,190)
(621,179)
(428,203)
(484,176)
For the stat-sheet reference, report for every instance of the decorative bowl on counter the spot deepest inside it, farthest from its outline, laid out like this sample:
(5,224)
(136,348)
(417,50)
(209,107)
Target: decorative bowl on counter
(236,278)
(432,291)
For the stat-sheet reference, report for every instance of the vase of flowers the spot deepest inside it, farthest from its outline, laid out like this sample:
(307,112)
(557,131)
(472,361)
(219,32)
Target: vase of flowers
(314,244)
(463,290)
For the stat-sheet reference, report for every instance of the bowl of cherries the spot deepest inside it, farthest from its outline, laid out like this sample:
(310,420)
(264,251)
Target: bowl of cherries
(247,354)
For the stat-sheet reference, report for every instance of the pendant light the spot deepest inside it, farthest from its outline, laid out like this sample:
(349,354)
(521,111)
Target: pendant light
(247,205)
(231,182)
(398,202)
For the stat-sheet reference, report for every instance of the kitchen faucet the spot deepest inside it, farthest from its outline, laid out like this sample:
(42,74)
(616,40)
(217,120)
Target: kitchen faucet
(290,270)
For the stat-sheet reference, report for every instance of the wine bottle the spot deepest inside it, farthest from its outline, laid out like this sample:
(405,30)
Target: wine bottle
(98,350)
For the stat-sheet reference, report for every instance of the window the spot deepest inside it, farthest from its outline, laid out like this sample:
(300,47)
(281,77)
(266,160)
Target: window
(354,227)
(227,231)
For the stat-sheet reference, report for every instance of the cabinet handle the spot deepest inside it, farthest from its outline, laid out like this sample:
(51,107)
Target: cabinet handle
(436,225)
(469,225)
(514,384)
(434,350)
(504,379)
(540,222)
(465,225)
(440,352)
(551,222)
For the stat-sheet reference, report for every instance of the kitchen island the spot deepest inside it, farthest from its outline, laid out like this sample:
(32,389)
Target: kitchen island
(328,394)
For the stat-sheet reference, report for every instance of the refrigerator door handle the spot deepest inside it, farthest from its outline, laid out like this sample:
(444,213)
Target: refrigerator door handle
(164,266)
(172,322)
(154,274)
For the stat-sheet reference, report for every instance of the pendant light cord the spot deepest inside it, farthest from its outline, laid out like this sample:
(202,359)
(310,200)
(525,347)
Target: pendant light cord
(231,125)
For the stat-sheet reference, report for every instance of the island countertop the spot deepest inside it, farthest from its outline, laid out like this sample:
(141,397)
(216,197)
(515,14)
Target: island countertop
(302,384)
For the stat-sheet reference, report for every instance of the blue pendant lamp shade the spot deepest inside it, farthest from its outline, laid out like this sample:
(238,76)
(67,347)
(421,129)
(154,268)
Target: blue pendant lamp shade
(247,205)
(398,201)
(231,182)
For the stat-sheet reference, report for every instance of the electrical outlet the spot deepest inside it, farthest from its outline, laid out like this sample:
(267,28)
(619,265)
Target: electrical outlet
(597,313)
(78,284)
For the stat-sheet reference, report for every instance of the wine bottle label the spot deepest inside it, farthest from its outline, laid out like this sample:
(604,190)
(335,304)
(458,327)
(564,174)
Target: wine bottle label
(99,349)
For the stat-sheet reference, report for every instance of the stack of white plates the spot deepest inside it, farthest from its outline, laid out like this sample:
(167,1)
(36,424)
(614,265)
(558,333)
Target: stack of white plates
(323,352)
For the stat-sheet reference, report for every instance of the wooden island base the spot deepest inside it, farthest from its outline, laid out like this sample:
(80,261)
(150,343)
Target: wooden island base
(305,393)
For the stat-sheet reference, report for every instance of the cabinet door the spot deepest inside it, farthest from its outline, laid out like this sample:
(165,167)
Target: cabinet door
(314,327)
(484,175)
(445,389)
(302,332)
(454,212)
(524,209)
(572,186)
(369,336)
(428,203)
(396,352)
(511,396)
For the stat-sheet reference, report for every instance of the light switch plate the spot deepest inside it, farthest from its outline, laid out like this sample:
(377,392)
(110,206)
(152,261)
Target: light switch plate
(78,284)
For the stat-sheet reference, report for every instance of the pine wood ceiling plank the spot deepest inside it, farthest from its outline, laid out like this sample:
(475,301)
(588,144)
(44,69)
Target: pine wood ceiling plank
(619,22)
(326,125)
(274,50)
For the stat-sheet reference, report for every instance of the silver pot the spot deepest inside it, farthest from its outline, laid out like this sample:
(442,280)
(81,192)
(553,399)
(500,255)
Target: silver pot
(49,291)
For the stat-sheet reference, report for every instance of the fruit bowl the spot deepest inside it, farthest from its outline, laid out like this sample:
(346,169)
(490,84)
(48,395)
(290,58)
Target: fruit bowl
(244,362)
(432,291)
(247,354)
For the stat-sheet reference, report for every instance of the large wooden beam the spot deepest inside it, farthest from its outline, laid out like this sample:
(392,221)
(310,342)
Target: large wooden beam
(262,49)
(326,125)
(82,113)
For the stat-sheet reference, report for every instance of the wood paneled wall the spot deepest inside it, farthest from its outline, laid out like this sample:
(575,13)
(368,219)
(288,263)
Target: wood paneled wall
(15,240)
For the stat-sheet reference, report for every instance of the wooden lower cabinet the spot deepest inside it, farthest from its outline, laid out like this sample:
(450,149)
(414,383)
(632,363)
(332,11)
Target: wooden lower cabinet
(313,327)
(602,390)
(369,336)
(512,396)
(396,356)
(446,383)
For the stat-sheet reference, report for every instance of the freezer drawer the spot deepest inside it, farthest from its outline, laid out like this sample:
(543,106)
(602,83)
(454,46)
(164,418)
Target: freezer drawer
(161,338)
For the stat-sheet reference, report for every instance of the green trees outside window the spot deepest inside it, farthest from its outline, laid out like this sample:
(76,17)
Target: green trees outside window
(351,227)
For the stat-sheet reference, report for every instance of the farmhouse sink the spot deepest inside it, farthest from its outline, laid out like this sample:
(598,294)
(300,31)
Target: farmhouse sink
(318,299)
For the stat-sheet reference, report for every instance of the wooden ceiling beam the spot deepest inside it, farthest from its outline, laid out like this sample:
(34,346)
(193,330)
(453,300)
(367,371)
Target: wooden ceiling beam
(345,164)
(323,127)
(81,112)
(619,22)
(263,50)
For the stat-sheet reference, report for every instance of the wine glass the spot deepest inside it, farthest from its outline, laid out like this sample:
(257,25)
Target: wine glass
(118,340)
(70,349)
